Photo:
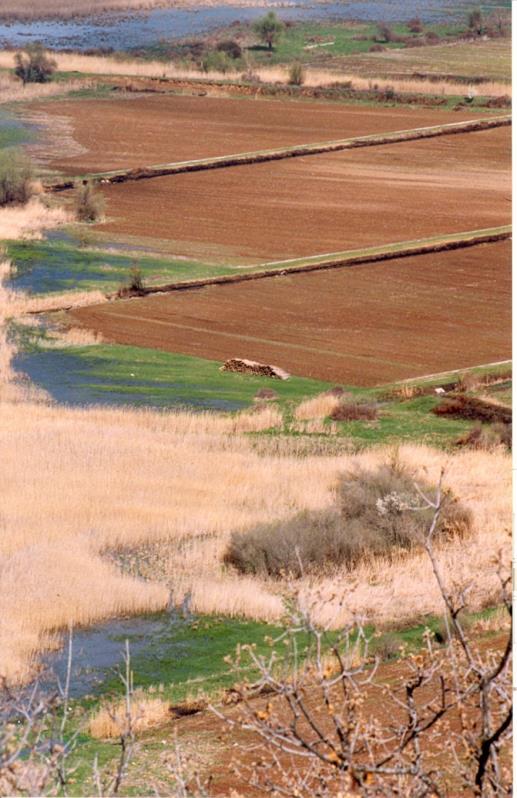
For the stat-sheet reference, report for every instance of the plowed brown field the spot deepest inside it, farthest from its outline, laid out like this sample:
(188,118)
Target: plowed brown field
(364,325)
(139,131)
(322,203)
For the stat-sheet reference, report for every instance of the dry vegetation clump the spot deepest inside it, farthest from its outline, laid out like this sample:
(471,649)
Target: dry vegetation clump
(134,286)
(487,437)
(30,220)
(34,65)
(355,411)
(16,177)
(147,712)
(319,407)
(89,202)
(472,408)
(377,513)
(266,395)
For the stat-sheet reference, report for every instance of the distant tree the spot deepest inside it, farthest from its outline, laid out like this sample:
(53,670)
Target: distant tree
(384,32)
(34,65)
(415,25)
(499,23)
(269,29)
(476,21)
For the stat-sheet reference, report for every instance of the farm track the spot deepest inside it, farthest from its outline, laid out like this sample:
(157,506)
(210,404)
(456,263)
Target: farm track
(278,154)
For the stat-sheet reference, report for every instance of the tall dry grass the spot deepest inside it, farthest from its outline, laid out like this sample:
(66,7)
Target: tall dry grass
(147,712)
(30,220)
(79,481)
(105,65)
(318,407)
(13,90)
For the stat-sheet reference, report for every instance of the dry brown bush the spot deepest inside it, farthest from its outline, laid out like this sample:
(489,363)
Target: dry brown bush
(355,411)
(374,516)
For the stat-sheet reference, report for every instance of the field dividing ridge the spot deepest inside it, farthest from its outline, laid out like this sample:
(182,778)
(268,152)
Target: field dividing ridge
(281,153)
(336,260)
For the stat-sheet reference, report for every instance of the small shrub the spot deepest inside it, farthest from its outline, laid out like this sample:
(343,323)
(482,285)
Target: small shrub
(134,285)
(296,74)
(432,38)
(231,48)
(376,48)
(386,647)
(486,438)
(374,514)
(355,411)
(16,177)
(216,61)
(415,25)
(384,33)
(475,21)
(266,395)
(337,390)
(89,203)
(34,65)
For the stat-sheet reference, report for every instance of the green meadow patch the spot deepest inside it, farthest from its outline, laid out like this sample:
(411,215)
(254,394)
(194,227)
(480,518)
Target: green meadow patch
(43,267)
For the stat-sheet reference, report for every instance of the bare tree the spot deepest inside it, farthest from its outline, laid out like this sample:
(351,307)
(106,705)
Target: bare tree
(332,723)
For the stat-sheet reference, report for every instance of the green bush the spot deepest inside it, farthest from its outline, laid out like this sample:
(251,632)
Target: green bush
(89,203)
(34,65)
(269,29)
(16,177)
(216,61)
(374,515)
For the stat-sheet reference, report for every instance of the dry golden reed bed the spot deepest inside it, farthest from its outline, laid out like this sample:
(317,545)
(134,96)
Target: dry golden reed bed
(78,481)
(104,65)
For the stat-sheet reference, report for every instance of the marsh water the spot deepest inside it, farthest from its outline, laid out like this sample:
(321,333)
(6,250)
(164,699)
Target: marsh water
(126,31)
(98,652)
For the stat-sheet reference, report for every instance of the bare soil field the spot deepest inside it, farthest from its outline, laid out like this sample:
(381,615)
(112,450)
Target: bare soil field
(364,325)
(141,130)
(322,203)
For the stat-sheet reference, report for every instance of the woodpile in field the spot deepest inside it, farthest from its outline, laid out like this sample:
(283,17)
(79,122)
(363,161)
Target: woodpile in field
(243,366)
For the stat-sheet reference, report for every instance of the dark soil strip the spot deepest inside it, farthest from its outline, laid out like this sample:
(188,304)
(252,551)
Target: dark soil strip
(473,409)
(123,176)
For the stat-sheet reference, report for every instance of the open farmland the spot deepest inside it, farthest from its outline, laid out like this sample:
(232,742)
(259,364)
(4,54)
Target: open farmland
(136,131)
(475,59)
(322,203)
(362,326)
